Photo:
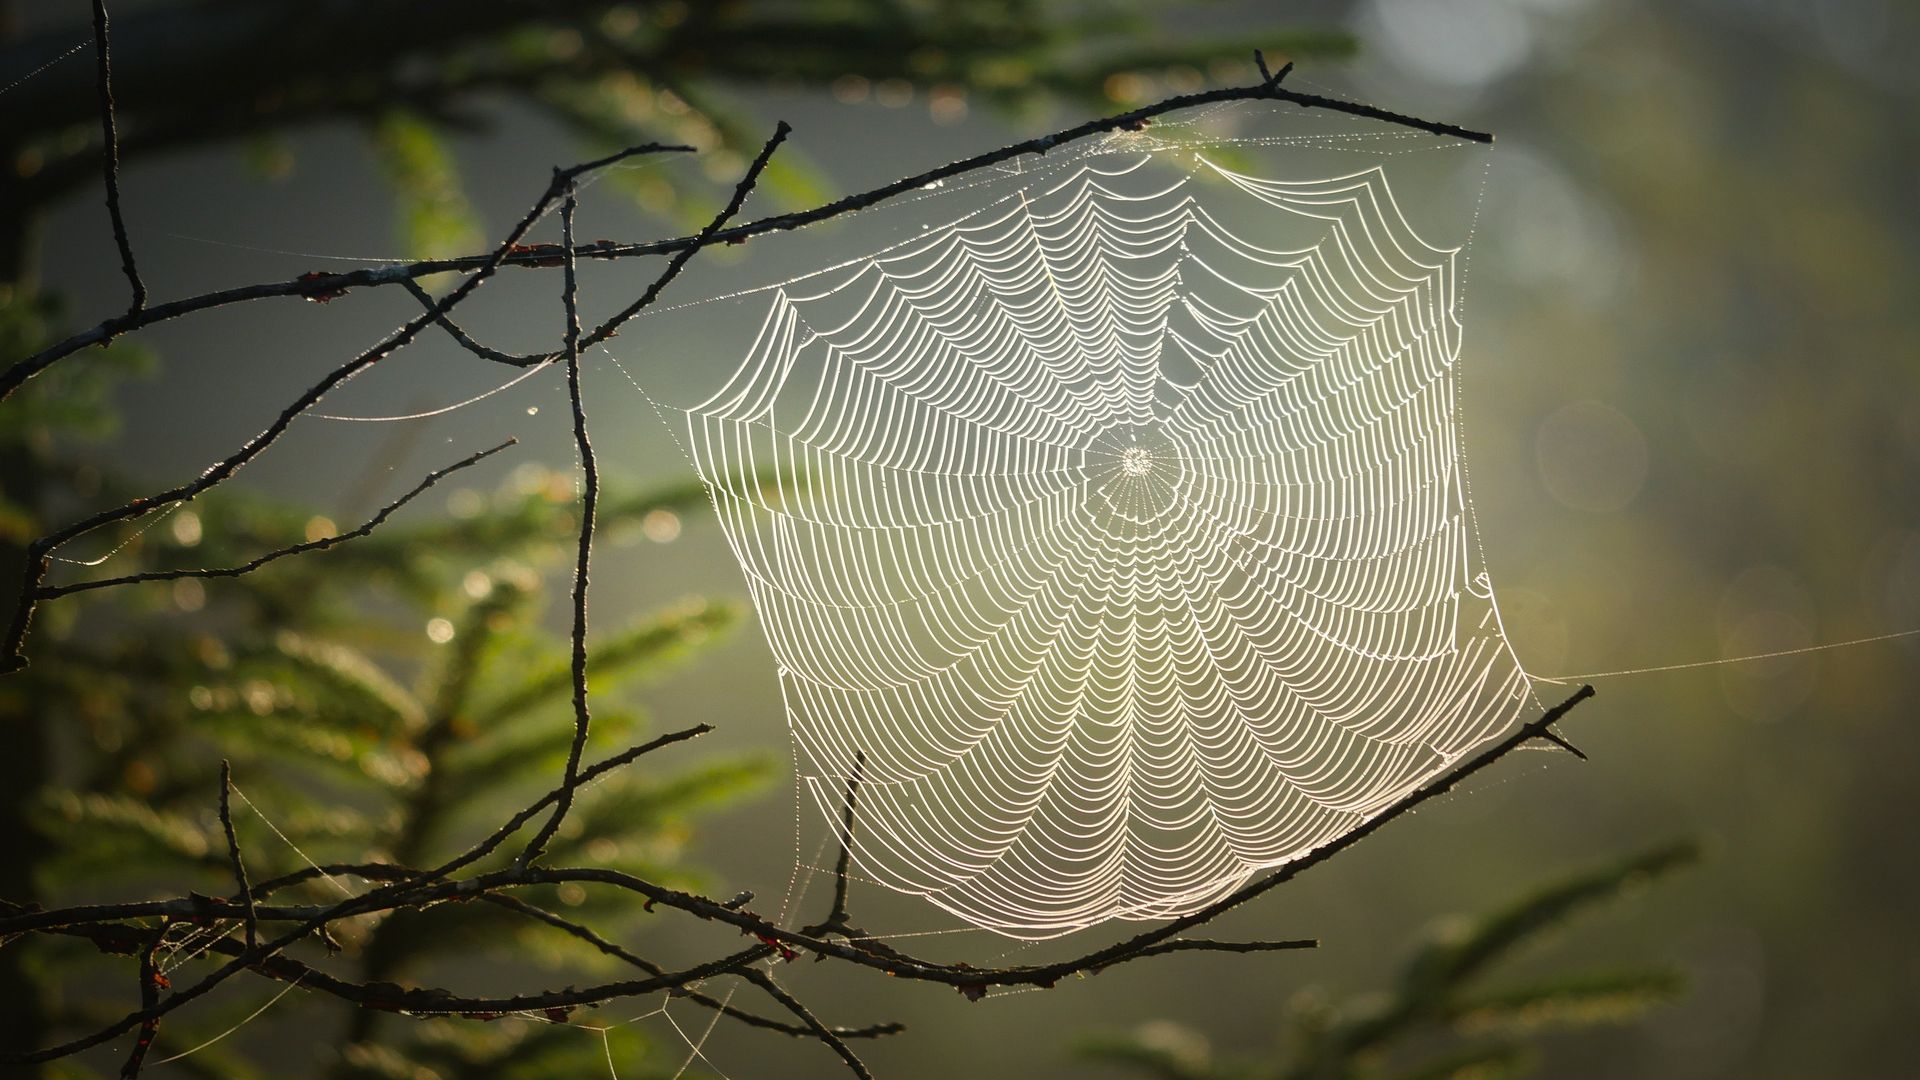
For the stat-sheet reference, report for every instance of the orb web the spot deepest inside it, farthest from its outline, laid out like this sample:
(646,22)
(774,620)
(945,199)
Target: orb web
(1120,533)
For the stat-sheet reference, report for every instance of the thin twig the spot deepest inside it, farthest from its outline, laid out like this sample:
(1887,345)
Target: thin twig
(1209,945)
(838,916)
(245,891)
(150,982)
(330,285)
(110,157)
(49,592)
(589,501)
(609,948)
(970,980)
(826,1035)
(466,340)
(36,564)
(590,490)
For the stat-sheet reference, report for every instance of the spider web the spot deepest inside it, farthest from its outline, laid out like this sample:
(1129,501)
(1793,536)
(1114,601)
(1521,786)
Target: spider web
(1118,533)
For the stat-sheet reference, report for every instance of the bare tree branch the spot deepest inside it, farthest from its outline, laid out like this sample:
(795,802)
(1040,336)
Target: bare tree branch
(590,490)
(110,159)
(465,340)
(619,952)
(49,592)
(122,927)
(325,285)
(36,564)
(245,891)
(425,889)
(779,993)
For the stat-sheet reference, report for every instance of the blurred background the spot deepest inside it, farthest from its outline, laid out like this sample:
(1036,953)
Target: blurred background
(1692,412)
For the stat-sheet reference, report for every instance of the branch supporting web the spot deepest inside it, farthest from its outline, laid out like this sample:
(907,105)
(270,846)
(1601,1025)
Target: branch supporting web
(1120,528)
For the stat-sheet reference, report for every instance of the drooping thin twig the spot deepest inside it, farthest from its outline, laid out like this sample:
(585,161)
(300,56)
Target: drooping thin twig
(245,891)
(466,340)
(589,501)
(328,285)
(590,482)
(110,157)
(49,592)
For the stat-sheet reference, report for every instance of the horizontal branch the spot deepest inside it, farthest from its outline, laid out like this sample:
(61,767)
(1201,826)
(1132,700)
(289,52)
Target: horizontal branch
(1209,945)
(326,286)
(1161,939)
(621,953)
(427,888)
(379,899)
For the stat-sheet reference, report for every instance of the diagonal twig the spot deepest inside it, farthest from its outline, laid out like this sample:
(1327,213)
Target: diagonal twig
(49,592)
(466,340)
(793,1005)
(35,565)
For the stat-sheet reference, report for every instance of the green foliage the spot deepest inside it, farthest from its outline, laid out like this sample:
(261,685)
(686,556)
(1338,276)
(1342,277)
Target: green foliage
(1437,1022)
(385,701)
(435,218)
(613,74)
